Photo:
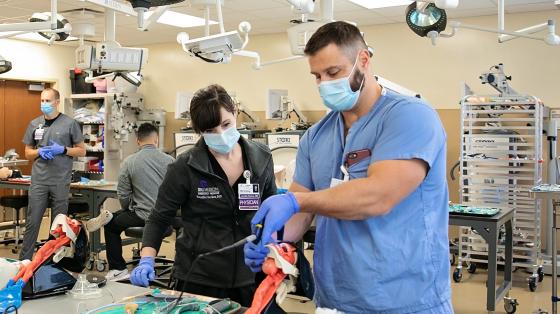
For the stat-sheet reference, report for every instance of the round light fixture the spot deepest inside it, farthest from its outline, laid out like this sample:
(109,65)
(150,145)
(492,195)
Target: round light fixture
(5,65)
(425,18)
(61,23)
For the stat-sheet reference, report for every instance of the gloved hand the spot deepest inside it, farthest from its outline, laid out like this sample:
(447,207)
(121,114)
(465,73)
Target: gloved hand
(276,211)
(10,297)
(56,149)
(45,153)
(254,256)
(144,272)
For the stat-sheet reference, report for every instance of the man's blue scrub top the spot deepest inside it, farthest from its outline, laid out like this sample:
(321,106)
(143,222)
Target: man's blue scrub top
(399,262)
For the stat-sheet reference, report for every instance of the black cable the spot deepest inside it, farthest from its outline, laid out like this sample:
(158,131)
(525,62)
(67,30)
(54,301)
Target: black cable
(225,248)
(453,170)
(299,118)
(243,111)
(141,57)
(198,54)
(10,308)
(174,151)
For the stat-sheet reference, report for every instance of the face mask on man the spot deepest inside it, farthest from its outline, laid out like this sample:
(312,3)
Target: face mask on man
(222,143)
(47,108)
(338,95)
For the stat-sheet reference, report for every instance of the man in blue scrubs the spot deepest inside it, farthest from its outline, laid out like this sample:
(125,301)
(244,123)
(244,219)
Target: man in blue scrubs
(372,173)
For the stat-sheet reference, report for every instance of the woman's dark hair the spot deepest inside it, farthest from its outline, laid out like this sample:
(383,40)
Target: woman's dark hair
(205,107)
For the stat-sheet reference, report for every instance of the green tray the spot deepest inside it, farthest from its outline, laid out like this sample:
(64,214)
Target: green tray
(458,209)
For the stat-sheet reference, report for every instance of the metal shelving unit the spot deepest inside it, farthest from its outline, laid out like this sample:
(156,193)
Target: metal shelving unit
(121,110)
(501,158)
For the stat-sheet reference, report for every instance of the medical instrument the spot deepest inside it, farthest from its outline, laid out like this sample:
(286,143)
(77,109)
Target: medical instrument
(237,244)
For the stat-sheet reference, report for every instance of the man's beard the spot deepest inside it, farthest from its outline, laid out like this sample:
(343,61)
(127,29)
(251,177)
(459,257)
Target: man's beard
(356,80)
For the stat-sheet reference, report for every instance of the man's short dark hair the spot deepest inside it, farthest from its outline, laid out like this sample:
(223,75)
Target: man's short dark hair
(146,130)
(206,105)
(56,93)
(344,35)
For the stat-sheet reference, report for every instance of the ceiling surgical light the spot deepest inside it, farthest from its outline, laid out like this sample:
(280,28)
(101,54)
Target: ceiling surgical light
(142,6)
(423,18)
(61,23)
(5,65)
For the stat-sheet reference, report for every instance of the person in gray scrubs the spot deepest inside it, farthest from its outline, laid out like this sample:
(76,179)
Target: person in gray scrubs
(51,142)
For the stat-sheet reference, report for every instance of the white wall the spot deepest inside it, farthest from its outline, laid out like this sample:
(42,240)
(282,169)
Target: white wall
(39,62)
(400,56)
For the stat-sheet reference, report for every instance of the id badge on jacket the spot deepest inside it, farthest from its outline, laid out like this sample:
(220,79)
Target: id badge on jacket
(249,196)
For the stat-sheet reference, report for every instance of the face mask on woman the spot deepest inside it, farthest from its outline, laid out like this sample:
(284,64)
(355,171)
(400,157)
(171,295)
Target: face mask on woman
(222,142)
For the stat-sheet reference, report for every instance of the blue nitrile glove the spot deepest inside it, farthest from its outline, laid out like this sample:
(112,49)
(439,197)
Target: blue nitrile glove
(276,211)
(56,148)
(254,256)
(10,297)
(144,272)
(45,153)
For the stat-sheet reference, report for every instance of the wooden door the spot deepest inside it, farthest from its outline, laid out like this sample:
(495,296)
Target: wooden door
(2,120)
(20,107)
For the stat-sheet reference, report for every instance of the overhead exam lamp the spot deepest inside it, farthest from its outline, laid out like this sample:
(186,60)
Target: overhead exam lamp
(5,65)
(61,23)
(423,18)
(142,6)
(427,18)
(50,25)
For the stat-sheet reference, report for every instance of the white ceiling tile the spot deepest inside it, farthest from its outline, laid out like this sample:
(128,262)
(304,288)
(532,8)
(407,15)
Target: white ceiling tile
(474,4)
(30,5)
(249,5)
(453,14)
(522,2)
(7,2)
(392,11)
(265,14)
(531,7)
(346,5)
(15,12)
(363,17)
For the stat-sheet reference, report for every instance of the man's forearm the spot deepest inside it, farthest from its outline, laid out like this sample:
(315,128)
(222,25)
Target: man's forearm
(31,154)
(352,200)
(297,226)
(75,151)
(148,252)
(387,184)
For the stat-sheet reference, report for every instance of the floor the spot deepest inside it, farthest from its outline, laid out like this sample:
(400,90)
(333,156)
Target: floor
(469,296)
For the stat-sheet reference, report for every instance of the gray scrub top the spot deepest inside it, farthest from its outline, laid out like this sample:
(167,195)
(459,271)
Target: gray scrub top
(64,131)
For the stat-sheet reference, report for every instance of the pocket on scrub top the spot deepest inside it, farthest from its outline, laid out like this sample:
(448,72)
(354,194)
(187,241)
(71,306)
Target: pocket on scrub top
(359,169)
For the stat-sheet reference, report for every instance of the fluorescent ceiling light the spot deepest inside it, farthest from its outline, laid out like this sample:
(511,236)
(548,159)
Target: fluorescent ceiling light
(33,36)
(378,4)
(179,19)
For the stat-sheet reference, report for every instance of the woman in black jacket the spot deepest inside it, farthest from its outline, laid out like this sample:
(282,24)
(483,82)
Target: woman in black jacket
(204,183)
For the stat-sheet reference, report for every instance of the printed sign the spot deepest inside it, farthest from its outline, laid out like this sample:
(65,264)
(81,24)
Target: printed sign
(185,138)
(277,140)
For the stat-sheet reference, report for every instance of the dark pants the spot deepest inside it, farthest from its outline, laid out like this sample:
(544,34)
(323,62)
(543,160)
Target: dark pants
(122,220)
(241,295)
(39,197)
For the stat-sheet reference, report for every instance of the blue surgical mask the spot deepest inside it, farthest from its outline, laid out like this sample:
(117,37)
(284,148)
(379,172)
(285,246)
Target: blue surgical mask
(338,95)
(222,143)
(47,108)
